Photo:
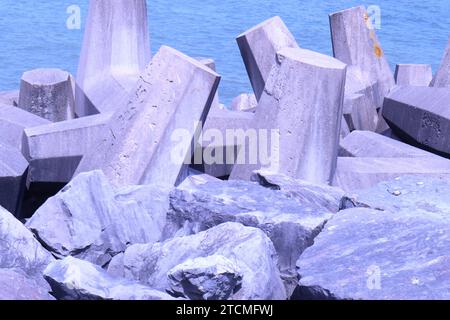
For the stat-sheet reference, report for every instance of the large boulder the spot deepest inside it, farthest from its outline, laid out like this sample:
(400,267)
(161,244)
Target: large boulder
(399,250)
(249,249)
(89,219)
(16,285)
(259,47)
(301,109)
(74,279)
(116,49)
(149,140)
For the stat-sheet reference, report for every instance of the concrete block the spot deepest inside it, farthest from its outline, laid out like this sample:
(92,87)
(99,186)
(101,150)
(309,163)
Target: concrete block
(421,115)
(442,76)
(210,63)
(366,144)
(360,113)
(303,104)
(244,102)
(356,44)
(47,93)
(12,170)
(9,98)
(116,49)
(354,174)
(259,47)
(150,138)
(55,150)
(413,75)
(12,123)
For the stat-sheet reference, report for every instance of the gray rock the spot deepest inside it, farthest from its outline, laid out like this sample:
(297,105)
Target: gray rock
(360,113)
(259,47)
(304,123)
(398,252)
(74,279)
(442,76)
(90,220)
(9,98)
(244,102)
(144,145)
(345,130)
(116,266)
(413,75)
(55,150)
(19,249)
(12,123)
(210,63)
(248,248)
(116,49)
(366,144)
(356,44)
(18,286)
(354,174)
(13,167)
(420,114)
(210,278)
(196,178)
(47,93)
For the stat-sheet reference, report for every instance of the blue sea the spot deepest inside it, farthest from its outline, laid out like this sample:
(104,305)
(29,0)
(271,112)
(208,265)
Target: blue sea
(34,33)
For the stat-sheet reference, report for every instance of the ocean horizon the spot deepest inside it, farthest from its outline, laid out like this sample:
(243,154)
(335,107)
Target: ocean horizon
(35,34)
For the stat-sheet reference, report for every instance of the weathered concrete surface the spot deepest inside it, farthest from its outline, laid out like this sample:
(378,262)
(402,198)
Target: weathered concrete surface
(9,98)
(90,220)
(47,93)
(15,285)
(420,114)
(366,144)
(55,150)
(116,49)
(306,120)
(73,279)
(13,167)
(259,47)
(413,75)
(345,130)
(399,251)
(244,102)
(442,76)
(196,178)
(210,63)
(360,113)
(12,123)
(248,248)
(149,140)
(19,249)
(361,173)
(356,44)
(210,278)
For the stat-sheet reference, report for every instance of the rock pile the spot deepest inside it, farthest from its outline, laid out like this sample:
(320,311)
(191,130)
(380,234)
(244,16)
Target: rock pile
(131,181)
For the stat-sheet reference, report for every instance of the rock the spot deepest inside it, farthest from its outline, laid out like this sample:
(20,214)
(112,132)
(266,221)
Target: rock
(366,144)
(355,43)
(413,75)
(304,123)
(259,47)
(345,130)
(47,93)
(196,178)
(18,286)
(442,76)
(210,278)
(55,150)
(74,279)
(115,51)
(90,220)
(244,102)
(354,174)
(359,113)
(291,218)
(9,98)
(19,249)
(420,115)
(248,248)
(144,145)
(366,254)
(210,63)
(315,195)
(12,123)
(116,266)
(13,167)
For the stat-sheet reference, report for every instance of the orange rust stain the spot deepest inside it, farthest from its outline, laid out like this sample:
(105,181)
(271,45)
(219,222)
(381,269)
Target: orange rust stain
(378,51)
